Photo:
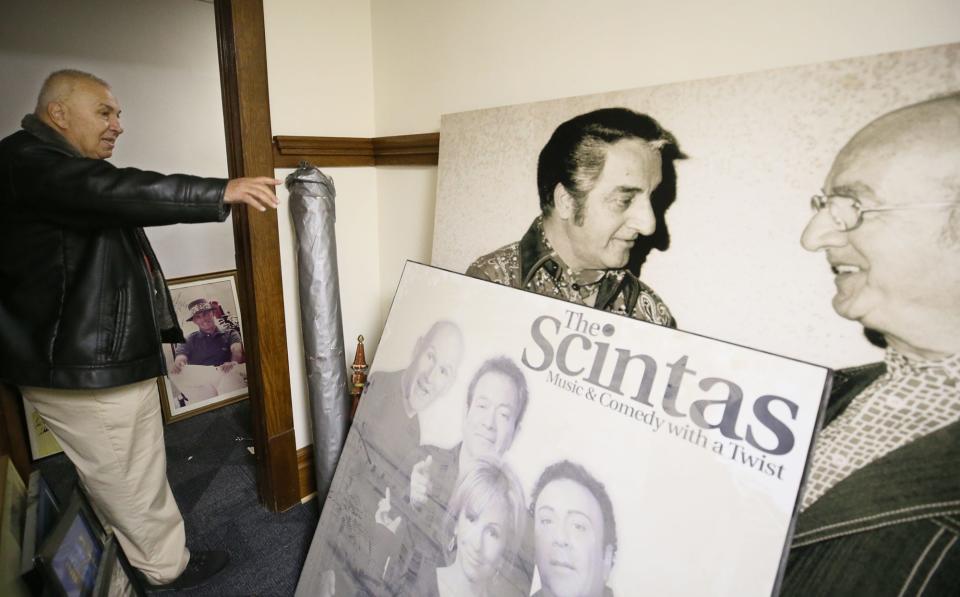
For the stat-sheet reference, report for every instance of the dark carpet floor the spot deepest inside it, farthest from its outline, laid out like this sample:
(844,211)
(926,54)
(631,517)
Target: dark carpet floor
(213,477)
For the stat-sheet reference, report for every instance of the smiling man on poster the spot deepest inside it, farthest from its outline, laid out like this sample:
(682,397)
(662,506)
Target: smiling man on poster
(604,179)
(882,504)
(496,401)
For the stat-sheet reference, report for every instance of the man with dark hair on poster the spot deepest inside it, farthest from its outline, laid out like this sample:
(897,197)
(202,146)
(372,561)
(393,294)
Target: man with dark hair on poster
(84,308)
(575,532)
(880,512)
(605,179)
(497,399)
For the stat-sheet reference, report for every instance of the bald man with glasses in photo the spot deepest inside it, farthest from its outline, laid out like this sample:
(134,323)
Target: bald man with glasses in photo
(881,511)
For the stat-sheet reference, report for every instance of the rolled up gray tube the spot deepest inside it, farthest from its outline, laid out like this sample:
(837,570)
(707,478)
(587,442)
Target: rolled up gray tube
(312,208)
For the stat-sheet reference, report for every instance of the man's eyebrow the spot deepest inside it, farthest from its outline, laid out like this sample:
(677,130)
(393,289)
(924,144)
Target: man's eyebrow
(542,508)
(852,190)
(624,189)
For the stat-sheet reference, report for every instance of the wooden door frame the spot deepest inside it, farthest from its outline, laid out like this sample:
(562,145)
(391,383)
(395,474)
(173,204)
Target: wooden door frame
(246,113)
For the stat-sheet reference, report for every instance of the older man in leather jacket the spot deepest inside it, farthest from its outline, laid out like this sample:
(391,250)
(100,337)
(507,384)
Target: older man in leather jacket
(84,307)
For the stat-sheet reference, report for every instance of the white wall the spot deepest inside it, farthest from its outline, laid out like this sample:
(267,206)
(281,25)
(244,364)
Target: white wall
(438,56)
(441,56)
(160,57)
(320,69)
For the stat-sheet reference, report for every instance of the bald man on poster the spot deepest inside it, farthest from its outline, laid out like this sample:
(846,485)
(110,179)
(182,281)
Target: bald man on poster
(881,510)
(84,308)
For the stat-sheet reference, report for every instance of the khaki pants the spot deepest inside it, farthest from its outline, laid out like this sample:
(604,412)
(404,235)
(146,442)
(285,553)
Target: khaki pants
(114,437)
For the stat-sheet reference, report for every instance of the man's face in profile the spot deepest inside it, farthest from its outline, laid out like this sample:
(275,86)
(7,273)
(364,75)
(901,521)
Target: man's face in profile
(434,367)
(899,267)
(92,120)
(617,209)
(491,419)
(205,321)
(569,543)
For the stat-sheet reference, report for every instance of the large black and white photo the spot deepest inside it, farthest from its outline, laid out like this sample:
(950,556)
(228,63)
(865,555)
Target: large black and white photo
(855,160)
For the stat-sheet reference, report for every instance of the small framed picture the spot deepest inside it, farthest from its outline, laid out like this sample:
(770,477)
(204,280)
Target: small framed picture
(43,511)
(71,555)
(42,442)
(209,370)
(115,577)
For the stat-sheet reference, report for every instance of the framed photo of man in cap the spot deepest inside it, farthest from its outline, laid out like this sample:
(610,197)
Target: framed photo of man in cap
(209,369)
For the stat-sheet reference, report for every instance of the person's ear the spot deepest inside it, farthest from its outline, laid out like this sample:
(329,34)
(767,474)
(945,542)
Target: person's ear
(57,113)
(607,562)
(563,202)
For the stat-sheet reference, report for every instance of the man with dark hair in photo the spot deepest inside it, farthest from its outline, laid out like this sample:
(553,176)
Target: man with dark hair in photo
(605,179)
(575,532)
(84,308)
(879,514)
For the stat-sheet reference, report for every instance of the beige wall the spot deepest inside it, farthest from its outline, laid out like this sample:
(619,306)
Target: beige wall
(439,56)
(320,71)
(160,57)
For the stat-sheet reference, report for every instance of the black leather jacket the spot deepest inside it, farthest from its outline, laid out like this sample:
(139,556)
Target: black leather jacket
(83,303)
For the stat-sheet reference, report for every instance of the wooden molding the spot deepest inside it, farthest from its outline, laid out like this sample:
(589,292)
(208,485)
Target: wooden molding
(399,150)
(288,151)
(407,150)
(306,475)
(246,113)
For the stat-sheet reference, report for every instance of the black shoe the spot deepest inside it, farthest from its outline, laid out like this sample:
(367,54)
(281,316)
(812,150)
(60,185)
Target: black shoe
(203,566)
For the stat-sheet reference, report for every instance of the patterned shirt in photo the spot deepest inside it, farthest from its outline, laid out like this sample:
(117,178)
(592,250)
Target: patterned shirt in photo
(533,264)
(914,398)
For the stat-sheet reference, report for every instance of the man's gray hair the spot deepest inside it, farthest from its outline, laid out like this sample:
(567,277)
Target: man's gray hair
(59,85)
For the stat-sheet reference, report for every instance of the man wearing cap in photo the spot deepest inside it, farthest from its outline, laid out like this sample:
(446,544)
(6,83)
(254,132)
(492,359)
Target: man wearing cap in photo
(210,362)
